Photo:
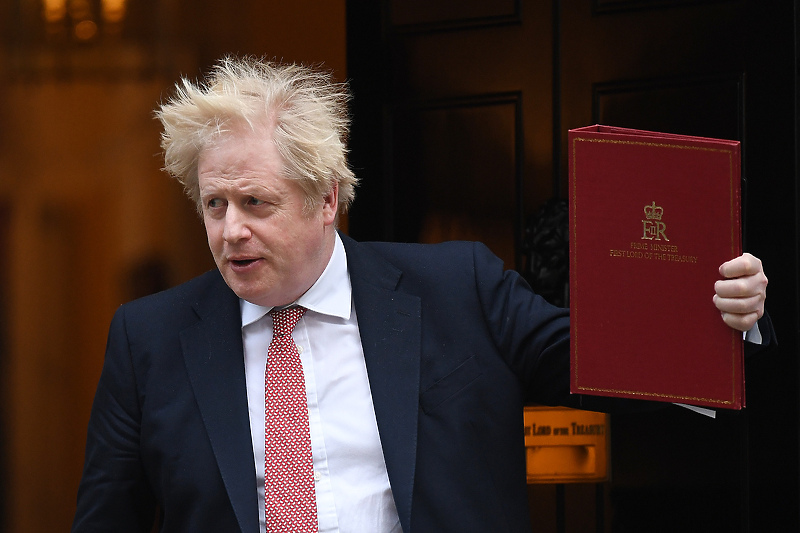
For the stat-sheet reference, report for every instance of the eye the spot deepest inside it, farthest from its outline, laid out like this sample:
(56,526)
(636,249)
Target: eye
(213,203)
(255,201)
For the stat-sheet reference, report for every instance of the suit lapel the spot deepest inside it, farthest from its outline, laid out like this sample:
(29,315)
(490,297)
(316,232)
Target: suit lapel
(213,353)
(390,326)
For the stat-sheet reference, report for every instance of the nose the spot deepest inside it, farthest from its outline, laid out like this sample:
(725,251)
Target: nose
(236,225)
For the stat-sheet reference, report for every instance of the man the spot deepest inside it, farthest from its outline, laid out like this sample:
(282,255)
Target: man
(411,362)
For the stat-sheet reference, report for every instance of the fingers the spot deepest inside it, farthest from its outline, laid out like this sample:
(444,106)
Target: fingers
(740,322)
(741,306)
(744,287)
(741,296)
(744,265)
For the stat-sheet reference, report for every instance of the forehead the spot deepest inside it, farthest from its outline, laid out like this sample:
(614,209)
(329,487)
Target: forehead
(240,148)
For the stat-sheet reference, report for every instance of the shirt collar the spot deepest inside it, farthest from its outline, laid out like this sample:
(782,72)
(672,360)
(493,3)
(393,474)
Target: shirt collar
(331,294)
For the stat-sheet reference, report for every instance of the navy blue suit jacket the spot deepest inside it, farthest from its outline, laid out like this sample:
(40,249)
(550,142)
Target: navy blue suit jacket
(454,346)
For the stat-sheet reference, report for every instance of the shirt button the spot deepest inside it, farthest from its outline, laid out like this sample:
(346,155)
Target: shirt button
(299,348)
(317,475)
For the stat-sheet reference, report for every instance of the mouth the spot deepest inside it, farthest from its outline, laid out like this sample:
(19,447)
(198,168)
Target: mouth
(242,264)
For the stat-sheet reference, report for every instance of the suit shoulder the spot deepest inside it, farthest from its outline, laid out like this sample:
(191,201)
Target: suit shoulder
(442,254)
(450,258)
(180,296)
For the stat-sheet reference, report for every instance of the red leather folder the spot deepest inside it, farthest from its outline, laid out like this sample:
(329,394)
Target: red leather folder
(652,217)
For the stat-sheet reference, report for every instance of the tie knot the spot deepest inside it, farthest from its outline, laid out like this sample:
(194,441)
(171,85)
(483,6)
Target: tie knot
(284,320)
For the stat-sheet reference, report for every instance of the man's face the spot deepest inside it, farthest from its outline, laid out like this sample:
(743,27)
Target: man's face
(269,249)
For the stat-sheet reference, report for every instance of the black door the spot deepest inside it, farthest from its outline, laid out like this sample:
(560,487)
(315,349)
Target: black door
(460,117)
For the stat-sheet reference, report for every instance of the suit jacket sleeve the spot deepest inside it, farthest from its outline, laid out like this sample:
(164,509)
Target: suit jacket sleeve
(532,334)
(114,494)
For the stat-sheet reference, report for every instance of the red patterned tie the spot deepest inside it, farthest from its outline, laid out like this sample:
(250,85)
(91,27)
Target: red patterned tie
(288,472)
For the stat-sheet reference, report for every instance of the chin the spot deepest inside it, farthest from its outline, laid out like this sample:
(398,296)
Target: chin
(258,296)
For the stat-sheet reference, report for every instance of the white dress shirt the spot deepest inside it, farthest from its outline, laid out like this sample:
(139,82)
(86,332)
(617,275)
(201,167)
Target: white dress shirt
(352,486)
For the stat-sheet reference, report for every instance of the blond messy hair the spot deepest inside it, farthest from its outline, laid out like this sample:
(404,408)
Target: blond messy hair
(308,109)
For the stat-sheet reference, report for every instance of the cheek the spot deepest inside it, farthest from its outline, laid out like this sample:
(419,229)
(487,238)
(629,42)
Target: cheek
(214,234)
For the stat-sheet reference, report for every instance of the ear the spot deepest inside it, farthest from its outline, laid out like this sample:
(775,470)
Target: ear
(330,205)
